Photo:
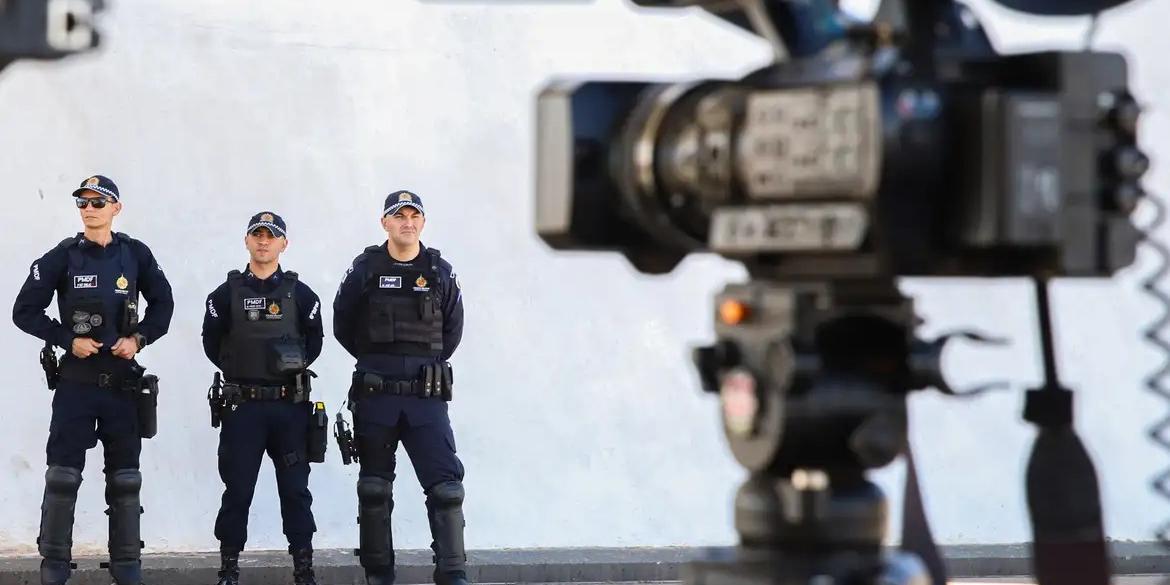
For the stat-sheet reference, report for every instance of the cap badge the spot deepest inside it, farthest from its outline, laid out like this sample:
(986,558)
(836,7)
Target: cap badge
(266,217)
(405,197)
(90,182)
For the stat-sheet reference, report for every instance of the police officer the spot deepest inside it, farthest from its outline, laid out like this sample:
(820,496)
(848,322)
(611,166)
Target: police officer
(262,328)
(400,313)
(97,276)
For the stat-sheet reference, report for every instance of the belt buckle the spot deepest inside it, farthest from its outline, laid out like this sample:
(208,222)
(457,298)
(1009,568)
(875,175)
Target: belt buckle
(252,393)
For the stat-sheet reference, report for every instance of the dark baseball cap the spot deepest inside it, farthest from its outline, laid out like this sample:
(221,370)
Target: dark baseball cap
(98,184)
(399,199)
(267,219)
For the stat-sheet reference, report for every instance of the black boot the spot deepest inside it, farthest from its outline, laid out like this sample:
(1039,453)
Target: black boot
(126,572)
(380,577)
(450,577)
(229,568)
(303,567)
(55,572)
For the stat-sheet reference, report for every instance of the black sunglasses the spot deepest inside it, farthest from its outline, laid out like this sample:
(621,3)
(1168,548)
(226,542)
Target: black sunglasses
(96,202)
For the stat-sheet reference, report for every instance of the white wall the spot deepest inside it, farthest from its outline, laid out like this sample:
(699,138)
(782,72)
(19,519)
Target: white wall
(579,420)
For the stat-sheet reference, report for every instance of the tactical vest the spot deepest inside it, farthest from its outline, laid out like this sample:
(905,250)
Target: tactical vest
(98,300)
(265,342)
(402,310)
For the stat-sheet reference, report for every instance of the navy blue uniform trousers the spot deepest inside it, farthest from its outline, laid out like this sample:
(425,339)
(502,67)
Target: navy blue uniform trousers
(86,413)
(254,428)
(423,427)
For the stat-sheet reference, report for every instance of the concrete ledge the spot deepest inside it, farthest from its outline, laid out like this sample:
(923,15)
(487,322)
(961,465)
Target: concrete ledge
(1129,558)
(567,565)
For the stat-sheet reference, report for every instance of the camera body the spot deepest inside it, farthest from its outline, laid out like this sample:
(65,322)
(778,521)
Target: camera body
(862,161)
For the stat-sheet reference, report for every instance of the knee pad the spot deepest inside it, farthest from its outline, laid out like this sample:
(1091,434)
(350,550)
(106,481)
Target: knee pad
(447,494)
(55,541)
(375,504)
(125,510)
(124,482)
(62,481)
(374,490)
(445,511)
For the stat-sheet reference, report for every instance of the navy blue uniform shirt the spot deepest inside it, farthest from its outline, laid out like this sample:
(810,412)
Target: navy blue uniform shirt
(217,316)
(47,276)
(347,312)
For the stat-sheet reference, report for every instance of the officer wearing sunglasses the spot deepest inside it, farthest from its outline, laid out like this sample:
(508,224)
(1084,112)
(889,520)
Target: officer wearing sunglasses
(97,276)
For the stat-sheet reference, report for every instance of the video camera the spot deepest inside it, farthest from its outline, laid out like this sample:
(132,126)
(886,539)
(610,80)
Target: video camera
(902,147)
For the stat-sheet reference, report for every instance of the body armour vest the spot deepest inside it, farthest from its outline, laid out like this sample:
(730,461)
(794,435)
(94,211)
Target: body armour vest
(402,310)
(98,300)
(265,337)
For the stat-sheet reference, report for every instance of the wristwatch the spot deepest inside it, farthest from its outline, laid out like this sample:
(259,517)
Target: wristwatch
(140,339)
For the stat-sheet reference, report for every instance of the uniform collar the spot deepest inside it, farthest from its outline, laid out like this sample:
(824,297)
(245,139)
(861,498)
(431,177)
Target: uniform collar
(422,251)
(85,243)
(274,279)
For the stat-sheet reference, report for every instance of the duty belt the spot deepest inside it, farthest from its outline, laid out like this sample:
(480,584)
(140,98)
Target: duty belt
(125,382)
(255,392)
(107,380)
(367,384)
